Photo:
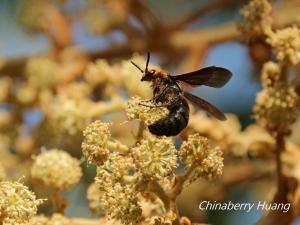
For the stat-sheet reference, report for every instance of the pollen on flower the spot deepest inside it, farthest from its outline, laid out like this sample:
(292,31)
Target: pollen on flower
(197,152)
(137,109)
(286,44)
(57,169)
(155,157)
(256,18)
(94,146)
(17,203)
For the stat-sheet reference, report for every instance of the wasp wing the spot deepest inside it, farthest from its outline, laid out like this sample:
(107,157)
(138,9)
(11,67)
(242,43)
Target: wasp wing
(204,105)
(209,76)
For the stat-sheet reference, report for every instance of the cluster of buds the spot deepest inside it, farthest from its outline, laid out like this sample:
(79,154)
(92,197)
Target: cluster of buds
(286,44)
(125,173)
(256,18)
(56,169)
(277,105)
(277,108)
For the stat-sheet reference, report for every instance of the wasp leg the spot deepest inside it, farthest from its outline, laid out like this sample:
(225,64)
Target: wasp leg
(161,105)
(157,96)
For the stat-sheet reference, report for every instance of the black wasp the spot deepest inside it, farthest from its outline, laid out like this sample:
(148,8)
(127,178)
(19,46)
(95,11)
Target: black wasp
(168,93)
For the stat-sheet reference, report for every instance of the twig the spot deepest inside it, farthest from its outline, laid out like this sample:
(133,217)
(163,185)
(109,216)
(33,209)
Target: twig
(180,180)
(140,133)
(199,12)
(156,188)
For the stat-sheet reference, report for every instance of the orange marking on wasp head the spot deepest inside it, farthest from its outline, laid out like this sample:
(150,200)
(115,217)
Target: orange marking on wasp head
(163,74)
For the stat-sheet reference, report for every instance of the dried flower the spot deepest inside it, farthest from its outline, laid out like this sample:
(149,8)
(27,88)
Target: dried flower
(57,169)
(155,157)
(197,152)
(94,146)
(121,203)
(17,203)
(256,18)
(286,44)
(136,109)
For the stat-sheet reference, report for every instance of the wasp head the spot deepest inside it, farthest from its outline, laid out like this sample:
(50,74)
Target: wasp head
(151,74)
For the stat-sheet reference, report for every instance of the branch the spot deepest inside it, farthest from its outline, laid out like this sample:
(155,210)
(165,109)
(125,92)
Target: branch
(229,31)
(199,12)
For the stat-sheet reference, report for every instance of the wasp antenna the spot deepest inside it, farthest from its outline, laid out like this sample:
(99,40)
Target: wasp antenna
(137,66)
(148,59)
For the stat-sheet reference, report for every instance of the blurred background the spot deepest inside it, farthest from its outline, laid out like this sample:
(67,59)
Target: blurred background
(182,35)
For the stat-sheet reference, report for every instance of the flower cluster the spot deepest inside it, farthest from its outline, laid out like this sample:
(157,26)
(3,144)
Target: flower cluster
(57,169)
(270,74)
(198,153)
(286,44)
(256,18)
(101,73)
(139,109)
(155,157)
(94,195)
(96,137)
(102,16)
(121,203)
(116,168)
(68,115)
(124,174)
(41,72)
(17,203)
(277,107)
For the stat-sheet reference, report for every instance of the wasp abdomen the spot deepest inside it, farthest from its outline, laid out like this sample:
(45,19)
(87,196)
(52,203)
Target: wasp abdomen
(175,122)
